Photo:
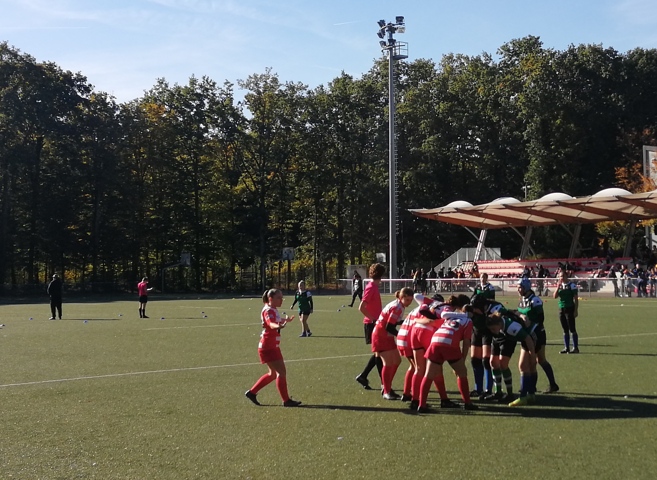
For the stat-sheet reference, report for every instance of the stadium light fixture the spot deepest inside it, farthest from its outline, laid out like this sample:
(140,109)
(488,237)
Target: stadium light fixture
(396,51)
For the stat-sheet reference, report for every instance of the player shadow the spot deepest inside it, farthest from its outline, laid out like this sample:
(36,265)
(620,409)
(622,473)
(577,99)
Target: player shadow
(620,353)
(577,408)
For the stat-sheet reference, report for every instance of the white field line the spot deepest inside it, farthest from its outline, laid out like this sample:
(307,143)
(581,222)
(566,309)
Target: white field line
(170,370)
(210,367)
(205,326)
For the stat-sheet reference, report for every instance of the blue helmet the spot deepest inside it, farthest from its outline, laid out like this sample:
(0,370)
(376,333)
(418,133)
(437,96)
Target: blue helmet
(525,284)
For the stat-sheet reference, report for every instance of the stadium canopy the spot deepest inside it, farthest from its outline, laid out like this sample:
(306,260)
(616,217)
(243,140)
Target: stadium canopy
(611,204)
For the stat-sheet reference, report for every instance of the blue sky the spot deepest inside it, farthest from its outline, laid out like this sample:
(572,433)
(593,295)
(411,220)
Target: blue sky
(123,46)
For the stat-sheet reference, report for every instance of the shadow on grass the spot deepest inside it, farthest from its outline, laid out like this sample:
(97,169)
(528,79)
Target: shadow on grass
(620,353)
(585,407)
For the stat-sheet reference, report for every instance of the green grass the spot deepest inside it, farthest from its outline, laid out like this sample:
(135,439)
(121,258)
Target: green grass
(119,397)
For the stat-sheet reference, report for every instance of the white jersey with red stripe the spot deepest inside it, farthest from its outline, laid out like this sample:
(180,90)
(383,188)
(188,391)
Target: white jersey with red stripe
(390,314)
(270,337)
(455,328)
(404,332)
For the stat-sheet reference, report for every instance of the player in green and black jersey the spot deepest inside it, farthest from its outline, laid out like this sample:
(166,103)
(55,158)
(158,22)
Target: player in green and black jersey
(482,340)
(305,300)
(567,294)
(530,307)
(484,288)
(509,329)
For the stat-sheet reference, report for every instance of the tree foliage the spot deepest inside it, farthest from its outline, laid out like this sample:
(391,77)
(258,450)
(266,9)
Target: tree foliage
(105,193)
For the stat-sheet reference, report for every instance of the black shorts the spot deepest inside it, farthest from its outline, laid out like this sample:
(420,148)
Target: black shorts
(304,312)
(504,346)
(143,298)
(481,337)
(368,328)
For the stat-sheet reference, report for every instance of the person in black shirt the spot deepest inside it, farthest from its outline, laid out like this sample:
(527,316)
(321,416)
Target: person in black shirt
(55,292)
(357,288)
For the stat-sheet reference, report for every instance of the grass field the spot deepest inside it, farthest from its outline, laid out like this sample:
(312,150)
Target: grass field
(103,394)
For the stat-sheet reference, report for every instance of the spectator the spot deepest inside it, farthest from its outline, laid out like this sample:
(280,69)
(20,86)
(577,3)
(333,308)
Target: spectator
(55,292)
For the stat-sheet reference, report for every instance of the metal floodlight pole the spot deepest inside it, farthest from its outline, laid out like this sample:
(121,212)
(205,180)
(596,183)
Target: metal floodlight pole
(391,47)
(392,167)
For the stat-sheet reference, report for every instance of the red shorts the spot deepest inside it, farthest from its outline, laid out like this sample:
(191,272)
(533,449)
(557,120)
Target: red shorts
(270,355)
(438,354)
(421,337)
(382,341)
(405,351)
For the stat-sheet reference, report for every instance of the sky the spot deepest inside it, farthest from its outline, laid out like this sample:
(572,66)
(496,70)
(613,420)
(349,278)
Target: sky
(124,46)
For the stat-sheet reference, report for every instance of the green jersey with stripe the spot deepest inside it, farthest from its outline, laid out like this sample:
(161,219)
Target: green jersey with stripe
(567,294)
(304,299)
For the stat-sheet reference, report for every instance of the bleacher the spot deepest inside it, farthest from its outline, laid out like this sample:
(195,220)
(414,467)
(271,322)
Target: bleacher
(584,267)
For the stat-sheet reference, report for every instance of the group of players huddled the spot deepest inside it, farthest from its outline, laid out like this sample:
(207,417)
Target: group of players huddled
(439,331)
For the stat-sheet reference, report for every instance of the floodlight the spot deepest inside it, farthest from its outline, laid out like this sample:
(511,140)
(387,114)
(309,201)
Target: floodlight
(383,44)
(380,34)
(382,23)
(399,19)
(401,29)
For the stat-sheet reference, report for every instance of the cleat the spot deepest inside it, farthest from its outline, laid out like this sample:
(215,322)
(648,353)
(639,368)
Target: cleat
(493,397)
(552,389)
(575,350)
(414,405)
(565,350)
(470,406)
(448,404)
(424,410)
(391,396)
(406,398)
(482,396)
(475,394)
(303,335)
(508,397)
(291,403)
(51,318)
(309,333)
(531,399)
(145,316)
(519,402)
(364,382)
(252,396)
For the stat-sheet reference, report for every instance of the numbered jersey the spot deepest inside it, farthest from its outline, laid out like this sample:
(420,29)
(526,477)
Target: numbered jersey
(455,328)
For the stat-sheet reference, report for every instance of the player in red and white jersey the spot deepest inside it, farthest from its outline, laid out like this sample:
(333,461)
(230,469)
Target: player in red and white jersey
(383,339)
(450,343)
(421,335)
(404,341)
(269,349)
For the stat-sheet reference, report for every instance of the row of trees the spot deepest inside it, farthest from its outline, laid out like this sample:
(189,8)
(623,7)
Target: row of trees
(107,192)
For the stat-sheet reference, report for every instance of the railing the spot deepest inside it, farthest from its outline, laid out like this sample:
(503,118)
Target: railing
(588,286)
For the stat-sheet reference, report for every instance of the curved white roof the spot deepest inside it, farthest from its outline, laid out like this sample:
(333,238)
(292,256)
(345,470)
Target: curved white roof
(458,204)
(552,209)
(611,192)
(555,197)
(504,201)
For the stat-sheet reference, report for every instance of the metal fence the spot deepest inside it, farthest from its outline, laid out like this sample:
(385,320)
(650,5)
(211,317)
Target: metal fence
(588,286)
